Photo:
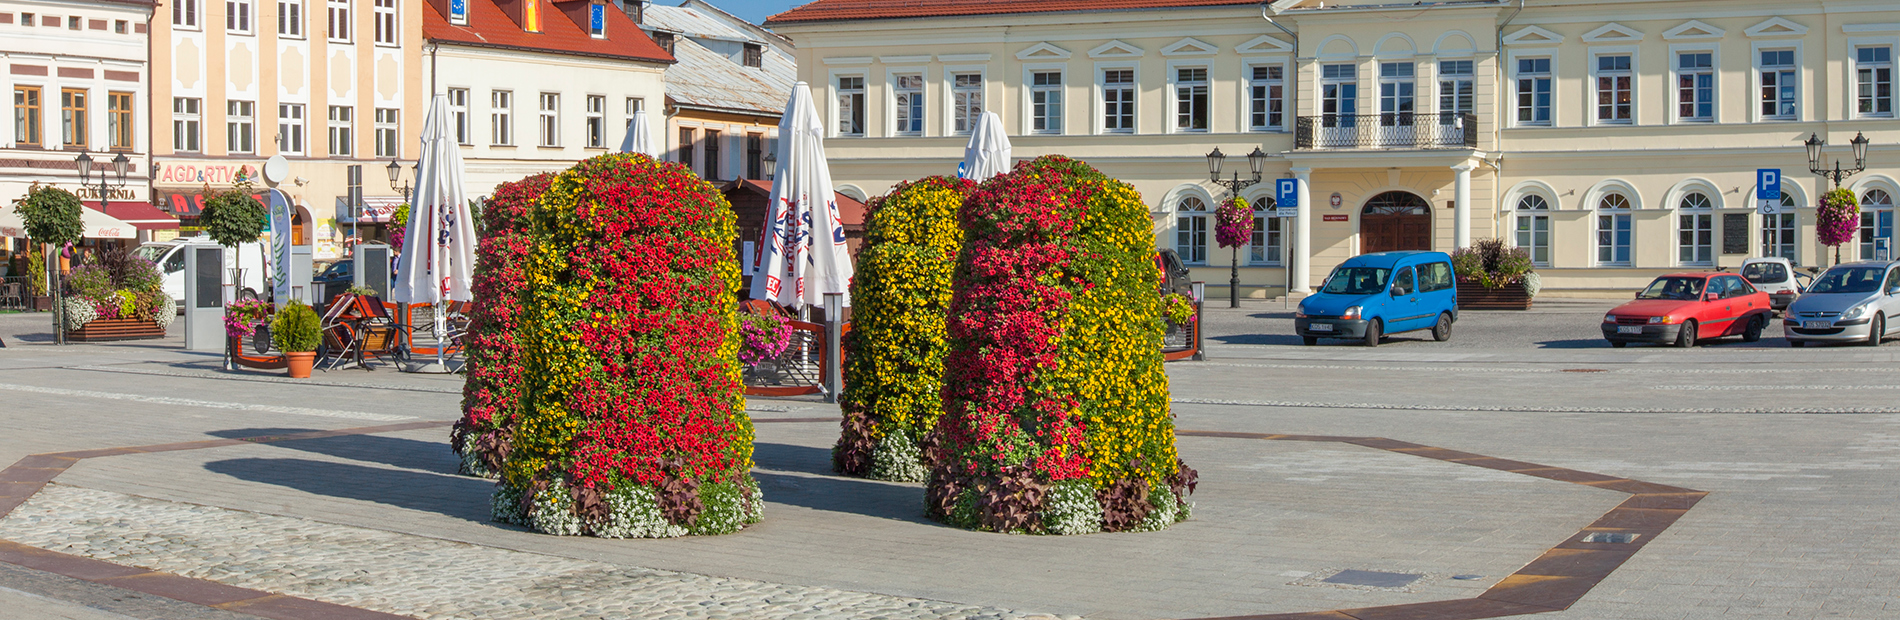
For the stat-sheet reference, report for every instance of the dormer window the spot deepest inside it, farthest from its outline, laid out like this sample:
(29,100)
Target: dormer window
(665,39)
(754,55)
(597,21)
(458,12)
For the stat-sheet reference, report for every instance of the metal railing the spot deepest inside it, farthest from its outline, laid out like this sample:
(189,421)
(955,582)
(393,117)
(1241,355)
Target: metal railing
(1401,130)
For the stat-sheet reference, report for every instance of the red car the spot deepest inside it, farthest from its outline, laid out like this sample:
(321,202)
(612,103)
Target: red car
(1682,308)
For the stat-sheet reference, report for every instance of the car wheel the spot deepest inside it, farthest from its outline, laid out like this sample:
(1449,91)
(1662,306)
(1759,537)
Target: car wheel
(1442,331)
(1752,333)
(1618,344)
(1309,340)
(1875,330)
(1373,333)
(1686,338)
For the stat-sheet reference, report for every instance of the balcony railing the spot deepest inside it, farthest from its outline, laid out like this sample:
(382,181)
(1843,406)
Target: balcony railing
(1442,130)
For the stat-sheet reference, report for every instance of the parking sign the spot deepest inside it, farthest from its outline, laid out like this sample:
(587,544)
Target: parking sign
(1768,190)
(1286,197)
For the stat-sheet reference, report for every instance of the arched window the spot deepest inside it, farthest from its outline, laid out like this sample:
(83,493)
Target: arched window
(1533,228)
(1191,234)
(1778,230)
(1264,248)
(1876,222)
(1613,230)
(1695,230)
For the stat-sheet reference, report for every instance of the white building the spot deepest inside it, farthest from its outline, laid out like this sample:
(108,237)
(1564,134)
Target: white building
(724,98)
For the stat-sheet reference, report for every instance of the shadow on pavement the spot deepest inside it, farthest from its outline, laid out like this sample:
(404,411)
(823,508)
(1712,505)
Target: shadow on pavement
(429,456)
(1287,339)
(830,491)
(1575,343)
(455,496)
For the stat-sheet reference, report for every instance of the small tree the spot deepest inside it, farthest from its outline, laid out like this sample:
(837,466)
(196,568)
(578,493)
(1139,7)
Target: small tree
(233,217)
(52,218)
(1838,220)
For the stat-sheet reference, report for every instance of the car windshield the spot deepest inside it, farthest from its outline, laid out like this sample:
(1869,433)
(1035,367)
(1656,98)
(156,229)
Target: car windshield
(1760,273)
(151,252)
(1357,281)
(1673,288)
(1849,280)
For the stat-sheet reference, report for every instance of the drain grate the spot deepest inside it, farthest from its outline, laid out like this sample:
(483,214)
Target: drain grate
(1584,370)
(1610,537)
(1372,578)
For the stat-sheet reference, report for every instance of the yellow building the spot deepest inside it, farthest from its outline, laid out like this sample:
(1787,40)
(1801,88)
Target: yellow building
(1613,139)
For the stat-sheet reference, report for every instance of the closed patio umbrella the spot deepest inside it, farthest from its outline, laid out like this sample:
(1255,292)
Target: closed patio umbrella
(438,262)
(638,139)
(805,256)
(988,152)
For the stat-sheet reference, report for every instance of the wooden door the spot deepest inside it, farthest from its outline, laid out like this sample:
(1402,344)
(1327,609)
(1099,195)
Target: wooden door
(1395,221)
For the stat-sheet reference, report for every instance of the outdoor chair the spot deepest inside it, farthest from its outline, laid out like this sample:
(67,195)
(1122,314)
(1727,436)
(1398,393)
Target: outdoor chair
(339,338)
(12,295)
(420,319)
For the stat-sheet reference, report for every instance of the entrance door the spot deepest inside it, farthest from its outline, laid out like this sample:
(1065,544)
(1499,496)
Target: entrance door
(1395,221)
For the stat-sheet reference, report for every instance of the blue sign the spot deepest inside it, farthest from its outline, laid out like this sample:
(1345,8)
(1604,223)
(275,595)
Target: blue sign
(458,11)
(596,19)
(1768,184)
(1286,199)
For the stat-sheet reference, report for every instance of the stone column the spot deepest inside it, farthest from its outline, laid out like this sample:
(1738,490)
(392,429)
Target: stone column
(1301,256)
(1461,213)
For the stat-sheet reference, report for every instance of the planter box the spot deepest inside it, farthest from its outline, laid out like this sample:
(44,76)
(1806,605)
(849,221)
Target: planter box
(43,303)
(1472,296)
(101,330)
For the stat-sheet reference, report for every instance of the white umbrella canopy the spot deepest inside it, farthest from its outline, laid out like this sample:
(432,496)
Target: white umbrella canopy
(438,261)
(806,257)
(988,152)
(638,139)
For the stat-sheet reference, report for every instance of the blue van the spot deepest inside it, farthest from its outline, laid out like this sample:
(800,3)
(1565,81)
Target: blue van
(1372,295)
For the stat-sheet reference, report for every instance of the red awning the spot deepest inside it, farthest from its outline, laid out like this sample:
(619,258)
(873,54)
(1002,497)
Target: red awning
(140,215)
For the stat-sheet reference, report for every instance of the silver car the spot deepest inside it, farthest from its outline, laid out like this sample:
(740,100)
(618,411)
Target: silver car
(1851,302)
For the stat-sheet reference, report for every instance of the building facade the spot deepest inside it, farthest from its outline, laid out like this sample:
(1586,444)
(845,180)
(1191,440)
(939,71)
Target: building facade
(724,98)
(536,86)
(76,76)
(1612,140)
(325,84)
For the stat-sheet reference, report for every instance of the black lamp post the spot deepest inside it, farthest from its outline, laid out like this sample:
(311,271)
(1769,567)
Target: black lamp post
(1255,160)
(119,165)
(771,165)
(1814,144)
(395,175)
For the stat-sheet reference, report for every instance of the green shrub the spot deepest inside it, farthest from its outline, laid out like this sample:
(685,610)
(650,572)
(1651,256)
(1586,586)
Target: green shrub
(51,215)
(295,330)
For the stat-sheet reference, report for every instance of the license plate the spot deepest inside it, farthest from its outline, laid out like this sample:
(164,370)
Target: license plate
(1816,324)
(1629,329)
(1319,327)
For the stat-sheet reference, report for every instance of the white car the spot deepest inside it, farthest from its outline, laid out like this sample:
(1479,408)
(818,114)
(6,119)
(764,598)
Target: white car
(1778,277)
(170,257)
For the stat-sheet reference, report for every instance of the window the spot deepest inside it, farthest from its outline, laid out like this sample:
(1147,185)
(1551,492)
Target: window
(119,121)
(1266,98)
(26,116)
(688,136)
(1455,90)
(1118,101)
(1533,91)
(1873,79)
(596,121)
(386,132)
(75,23)
(1045,102)
(339,14)
(240,134)
(1190,99)
(119,26)
(1778,230)
(342,125)
(1695,230)
(754,55)
(185,114)
(1614,101)
(712,155)
(501,123)
(1779,83)
(72,118)
(1533,228)
(1434,276)
(184,14)
(851,106)
(597,21)
(385,20)
(665,40)
(237,16)
(1695,86)
(550,119)
(966,100)
(458,12)
(634,104)
(290,128)
(1613,230)
(754,155)
(1876,221)
(1338,95)
(1264,247)
(1397,101)
(458,112)
(907,94)
(290,18)
(1191,231)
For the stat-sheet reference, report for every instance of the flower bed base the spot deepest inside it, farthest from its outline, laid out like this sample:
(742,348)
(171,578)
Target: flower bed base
(234,347)
(632,511)
(107,330)
(1472,296)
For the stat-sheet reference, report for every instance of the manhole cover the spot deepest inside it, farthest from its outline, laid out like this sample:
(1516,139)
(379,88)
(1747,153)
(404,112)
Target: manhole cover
(1372,578)
(1610,537)
(1584,370)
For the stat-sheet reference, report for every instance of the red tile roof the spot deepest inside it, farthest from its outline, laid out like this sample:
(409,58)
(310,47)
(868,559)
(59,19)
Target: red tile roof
(488,26)
(832,10)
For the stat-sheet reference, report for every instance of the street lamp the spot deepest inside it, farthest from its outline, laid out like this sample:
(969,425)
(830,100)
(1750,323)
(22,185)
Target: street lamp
(771,165)
(1814,144)
(119,165)
(1255,160)
(395,174)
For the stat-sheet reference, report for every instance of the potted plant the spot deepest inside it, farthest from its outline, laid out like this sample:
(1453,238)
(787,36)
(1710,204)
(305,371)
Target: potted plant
(1494,276)
(294,331)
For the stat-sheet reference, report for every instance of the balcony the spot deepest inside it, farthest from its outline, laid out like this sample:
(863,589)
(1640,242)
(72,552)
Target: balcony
(1442,130)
